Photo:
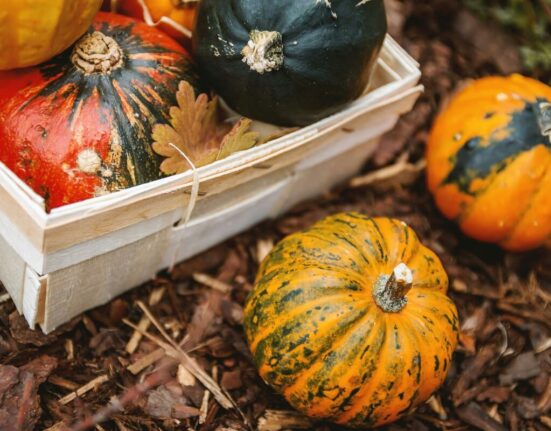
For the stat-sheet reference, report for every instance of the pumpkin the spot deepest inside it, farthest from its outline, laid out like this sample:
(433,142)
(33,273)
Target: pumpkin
(350,321)
(80,125)
(489,161)
(33,32)
(174,17)
(290,64)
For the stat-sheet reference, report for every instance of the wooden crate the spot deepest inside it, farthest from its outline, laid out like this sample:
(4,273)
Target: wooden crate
(60,264)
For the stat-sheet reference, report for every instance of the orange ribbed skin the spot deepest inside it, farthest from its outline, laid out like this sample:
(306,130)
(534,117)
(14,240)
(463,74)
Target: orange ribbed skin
(489,162)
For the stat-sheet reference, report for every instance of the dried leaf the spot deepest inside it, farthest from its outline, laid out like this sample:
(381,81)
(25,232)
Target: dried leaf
(239,138)
(196,131)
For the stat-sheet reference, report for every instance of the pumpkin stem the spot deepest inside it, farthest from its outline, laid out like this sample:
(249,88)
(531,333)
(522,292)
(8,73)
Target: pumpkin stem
(97,53)
(543,113)
(264,51)
(390,290)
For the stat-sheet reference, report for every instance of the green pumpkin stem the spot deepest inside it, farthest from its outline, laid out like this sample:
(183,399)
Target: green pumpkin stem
(97,53)
(264,51)
(390,290)
(543,113)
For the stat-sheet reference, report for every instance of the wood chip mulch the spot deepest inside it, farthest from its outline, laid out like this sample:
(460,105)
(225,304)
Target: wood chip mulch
(144,361)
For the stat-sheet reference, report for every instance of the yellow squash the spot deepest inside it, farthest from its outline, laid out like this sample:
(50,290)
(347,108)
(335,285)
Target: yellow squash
(350,320)
(32,32)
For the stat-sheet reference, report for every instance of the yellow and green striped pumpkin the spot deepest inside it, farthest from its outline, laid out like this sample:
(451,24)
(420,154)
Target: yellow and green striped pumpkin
(350,320)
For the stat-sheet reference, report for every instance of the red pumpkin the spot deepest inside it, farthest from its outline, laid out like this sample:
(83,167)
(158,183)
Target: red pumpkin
(80,125)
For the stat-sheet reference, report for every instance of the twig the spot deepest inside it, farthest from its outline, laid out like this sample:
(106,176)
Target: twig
(157,324)
(144,362)
(63,383)
(277,420)
(388,173)
(154,298)
(118,404)
(213,283)
(204,407)
(191,366)
(84,389)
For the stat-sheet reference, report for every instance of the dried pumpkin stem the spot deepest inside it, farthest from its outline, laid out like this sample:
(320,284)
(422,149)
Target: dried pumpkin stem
(543,113)
(264,51)
(97,53)
(390,290)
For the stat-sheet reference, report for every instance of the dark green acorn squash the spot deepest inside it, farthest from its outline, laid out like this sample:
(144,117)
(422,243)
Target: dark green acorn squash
(289,62)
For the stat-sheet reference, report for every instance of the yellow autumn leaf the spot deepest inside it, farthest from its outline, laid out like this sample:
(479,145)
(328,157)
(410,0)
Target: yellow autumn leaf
(196,130)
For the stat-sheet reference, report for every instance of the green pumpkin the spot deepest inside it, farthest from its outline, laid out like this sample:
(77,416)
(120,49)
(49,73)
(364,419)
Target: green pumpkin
(289,62)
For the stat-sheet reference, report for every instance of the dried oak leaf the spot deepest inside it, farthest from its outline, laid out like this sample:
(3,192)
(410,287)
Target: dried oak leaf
(196,130)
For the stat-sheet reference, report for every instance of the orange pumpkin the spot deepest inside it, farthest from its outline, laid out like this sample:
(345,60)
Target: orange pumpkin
(489,161)
(174,17)
(350,321)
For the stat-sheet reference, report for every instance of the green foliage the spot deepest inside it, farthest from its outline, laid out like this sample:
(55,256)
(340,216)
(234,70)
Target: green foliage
(530,20)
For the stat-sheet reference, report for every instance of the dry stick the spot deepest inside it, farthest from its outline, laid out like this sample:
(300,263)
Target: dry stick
(118,404)
(388,173)
(173,349)
(154,298)
(204,408)
(144,362)
(213,283)
(191,366)
(277,420)
(83,389)
(134,368)
(157,325)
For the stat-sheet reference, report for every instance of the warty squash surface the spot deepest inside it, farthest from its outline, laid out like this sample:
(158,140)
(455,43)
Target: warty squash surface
(350,320)
(489,161)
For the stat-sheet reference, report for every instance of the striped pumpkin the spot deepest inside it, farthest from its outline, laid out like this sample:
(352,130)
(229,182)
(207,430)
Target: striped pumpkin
(80,125)
(350,321)
(489,161)
(34,31)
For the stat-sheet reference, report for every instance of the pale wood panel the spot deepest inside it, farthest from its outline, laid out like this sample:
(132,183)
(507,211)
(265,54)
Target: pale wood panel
(12,273)
(73,290)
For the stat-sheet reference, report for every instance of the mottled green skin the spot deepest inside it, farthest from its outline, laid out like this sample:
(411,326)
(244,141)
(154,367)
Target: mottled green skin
(318,337)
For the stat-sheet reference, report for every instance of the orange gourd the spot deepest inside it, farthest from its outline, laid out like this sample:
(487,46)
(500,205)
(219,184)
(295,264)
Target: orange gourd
(32,32)
(489,161)
(350,320)
(174,17)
